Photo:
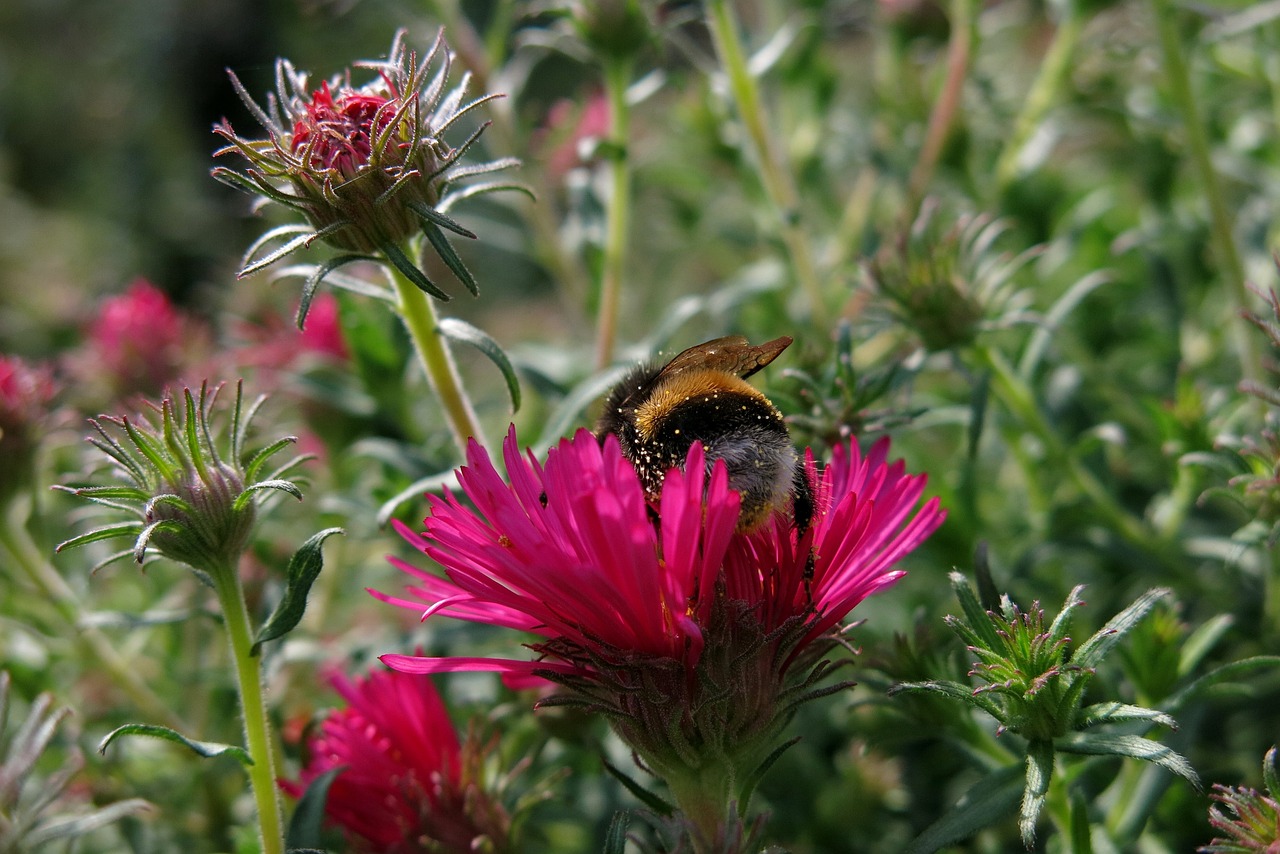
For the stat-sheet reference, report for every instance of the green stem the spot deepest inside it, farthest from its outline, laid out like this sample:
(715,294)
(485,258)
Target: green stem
(947,105)
(777,180)
(419,316)
(479,56)
(1018,399)
(617,76)
(262,775)
(703,801)
(1175,66)
(1055,70)
(94,644)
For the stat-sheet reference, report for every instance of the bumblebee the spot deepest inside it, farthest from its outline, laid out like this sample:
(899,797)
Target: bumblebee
(658,411)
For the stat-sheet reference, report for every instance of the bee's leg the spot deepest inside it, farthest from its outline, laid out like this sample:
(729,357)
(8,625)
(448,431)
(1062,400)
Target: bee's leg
(802,499)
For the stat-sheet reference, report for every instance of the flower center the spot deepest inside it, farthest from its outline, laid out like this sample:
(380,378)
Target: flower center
(341,128)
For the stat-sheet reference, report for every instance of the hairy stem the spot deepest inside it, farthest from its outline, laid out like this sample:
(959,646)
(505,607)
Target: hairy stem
(946,107)
(778,182)
(1179,81)
(419,316)
(617,75)
(262,774)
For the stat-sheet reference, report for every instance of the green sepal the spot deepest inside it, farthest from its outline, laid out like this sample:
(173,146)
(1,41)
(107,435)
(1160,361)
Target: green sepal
(1132,746)
(106,532)
(304,568)
(432,215)
(307,821)
(1270,777)
(615,840)
(279,485)
(1110,713)
(954,690)
(978,619)
(459,330)
(260,458)
(986,802)
(649,799)
(205,749)
(1092,651)
(450,257)
(754,778)
(483,188)
(410,271)
(140,545)
(316,277)
(1039,773)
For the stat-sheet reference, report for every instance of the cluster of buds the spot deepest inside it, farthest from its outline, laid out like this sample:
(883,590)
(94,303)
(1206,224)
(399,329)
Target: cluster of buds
(1254,821)
(1035,684)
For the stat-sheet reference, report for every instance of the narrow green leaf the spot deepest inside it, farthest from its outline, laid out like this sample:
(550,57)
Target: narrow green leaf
(125,493)
(81,824)
(1092,651)
(1201,641)
(988,593)
(251,469)
(410,271)
(459,330)
(416,489)
(339,280)
(954,690)
(1270,778)
(307,822)
(304,567)
(753,780)
(1110,713)
(205,749)
(140,545)
(279,485)
(985,803)
(976,616)
(649,799)
(1081,840)
(314,280)
(106,532)
(432,215)
(271,257)
(615,841)
(450,256)
(1132,746)
(1062,622)
(1039,773)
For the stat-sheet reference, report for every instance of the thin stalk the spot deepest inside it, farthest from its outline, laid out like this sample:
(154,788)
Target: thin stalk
(778,182)
(97,647)
(262,774)
(419,315)
(945,108)
(1055,70)
(1175,66)
(703,800)
(1018,399)
(617,76)
(479,54)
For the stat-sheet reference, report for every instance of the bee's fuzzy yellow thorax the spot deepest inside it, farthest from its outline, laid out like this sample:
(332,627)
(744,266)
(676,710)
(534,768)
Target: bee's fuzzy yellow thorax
(687,386)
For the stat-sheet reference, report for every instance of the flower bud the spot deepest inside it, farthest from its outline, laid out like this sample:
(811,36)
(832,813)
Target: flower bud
(25,394)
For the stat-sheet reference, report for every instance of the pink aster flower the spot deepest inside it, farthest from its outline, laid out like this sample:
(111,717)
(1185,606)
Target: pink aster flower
(696,641)
(26,392)
(138,341)
(407,785)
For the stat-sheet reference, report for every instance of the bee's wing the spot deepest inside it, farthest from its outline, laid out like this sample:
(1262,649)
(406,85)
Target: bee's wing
(732,354)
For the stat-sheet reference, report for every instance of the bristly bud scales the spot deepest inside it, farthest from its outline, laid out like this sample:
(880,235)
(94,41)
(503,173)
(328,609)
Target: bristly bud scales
(367,166)
(196,503)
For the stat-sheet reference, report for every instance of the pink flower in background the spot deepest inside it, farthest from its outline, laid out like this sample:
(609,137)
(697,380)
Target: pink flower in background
(570,552)
(26,392)
(322,332)
(568,125)
(407,785)
(139,341)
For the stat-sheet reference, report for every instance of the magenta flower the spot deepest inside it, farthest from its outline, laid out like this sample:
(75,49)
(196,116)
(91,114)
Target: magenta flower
(569,551)
(696,641)
(138,342)
(26,393)
(407,785)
